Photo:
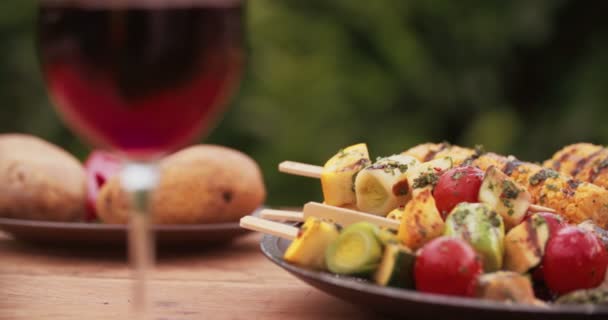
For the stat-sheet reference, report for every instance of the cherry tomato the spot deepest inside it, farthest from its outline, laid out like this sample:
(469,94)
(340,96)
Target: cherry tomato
(574,259)
(457,185)
(100,167)
(447,266)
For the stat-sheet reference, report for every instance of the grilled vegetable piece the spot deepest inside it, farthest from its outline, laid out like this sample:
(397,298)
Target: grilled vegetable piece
(447,266)
(555,223)
(308,249)
(574,200)
(583,161)
(357,251)
(480,227)
(510,200)
(525,244)
(460,184)
(396,214)
(427,174)
(337,177)
(429,151)
(505,286)
(383,186)
(574,158)
(397,267)
(574,259)
(421,221)
(598,296)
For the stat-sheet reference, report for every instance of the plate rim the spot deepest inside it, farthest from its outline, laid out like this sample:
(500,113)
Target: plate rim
(269,247)
(99,226)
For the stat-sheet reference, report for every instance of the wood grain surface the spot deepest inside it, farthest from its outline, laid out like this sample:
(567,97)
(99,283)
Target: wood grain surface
(233,281)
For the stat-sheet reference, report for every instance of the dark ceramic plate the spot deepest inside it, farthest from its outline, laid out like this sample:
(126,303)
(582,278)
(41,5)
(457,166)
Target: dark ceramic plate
(98,234)
(415,305)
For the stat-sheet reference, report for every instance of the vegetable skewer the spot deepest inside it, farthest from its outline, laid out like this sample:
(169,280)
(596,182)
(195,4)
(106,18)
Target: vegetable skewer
(312,171)
(575,200)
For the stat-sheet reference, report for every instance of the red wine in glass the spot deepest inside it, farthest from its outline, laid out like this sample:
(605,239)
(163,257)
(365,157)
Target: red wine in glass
(142,77)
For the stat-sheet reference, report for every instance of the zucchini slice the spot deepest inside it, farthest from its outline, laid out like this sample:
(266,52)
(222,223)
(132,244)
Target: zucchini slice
(397,267)
(357,251)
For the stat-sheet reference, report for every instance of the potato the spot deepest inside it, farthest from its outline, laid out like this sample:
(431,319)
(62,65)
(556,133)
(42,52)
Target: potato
(39,181)
(201,184)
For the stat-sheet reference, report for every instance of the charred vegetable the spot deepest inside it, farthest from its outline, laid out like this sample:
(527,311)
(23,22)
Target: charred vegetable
(421,221)
(525,244)
(308,249)
(482,228)
(383,186)
(337,178)
(510,200)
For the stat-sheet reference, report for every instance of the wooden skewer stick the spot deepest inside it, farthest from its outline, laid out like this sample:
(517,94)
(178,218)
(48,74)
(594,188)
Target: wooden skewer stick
(269,227)
(312,171)
(346,217)
(300,169)
(341,216)
(282,215)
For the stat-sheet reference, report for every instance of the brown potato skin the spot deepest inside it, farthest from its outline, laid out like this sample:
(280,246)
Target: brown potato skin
(39,181)
(200,184)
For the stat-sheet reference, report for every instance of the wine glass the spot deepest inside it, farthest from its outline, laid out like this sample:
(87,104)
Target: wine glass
(142,77)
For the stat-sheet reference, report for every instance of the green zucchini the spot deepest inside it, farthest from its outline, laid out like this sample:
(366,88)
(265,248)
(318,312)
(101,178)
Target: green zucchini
(397,267)
(356,251)
(482,228)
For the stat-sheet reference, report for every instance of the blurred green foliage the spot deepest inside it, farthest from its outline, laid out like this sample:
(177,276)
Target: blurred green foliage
(523,77)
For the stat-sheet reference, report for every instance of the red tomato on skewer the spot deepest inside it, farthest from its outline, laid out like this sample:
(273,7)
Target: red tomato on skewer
(457,185)
(447,266)
(574,259)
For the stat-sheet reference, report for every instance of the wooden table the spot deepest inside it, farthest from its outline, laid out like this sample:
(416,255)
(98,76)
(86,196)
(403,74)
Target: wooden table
(234,281)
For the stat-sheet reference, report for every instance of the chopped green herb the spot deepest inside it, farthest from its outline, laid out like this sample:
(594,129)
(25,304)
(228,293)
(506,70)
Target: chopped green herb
(389,166)
(425,179)
(552,187)
(543,175)
(509,190)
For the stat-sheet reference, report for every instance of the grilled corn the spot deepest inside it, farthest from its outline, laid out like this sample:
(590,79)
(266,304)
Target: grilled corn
(583,161)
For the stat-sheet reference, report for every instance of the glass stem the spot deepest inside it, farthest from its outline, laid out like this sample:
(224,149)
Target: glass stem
(139,180)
